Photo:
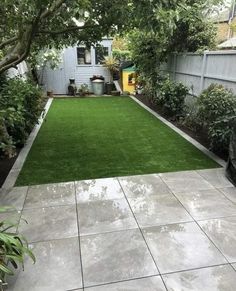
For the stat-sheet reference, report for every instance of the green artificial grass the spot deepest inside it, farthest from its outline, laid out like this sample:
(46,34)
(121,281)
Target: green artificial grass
(105,137)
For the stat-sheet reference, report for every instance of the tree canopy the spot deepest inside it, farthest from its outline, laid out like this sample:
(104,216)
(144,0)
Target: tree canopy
(185,29)
(27,25)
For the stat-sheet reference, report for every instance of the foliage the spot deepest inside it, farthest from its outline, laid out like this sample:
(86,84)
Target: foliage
(120,49)
(191,119)
(171,97)
(120,43)
(193,31)
(46,57)
(97,77)
(121,55)
(179,28)
(216,110)
(148,50)
(112,64)
(31,25)
(21,103)
(13,248)
(215,102)
(3,80)
(83,89)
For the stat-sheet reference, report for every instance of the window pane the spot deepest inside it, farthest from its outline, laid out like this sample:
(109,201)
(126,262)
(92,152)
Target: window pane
(83,56)
(88,56)
(101,52)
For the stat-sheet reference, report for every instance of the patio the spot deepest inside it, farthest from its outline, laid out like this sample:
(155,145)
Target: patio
(172,231)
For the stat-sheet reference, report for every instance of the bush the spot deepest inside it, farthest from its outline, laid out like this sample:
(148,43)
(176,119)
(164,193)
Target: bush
(216,112)
(21,103)
(171,97)
(121,55)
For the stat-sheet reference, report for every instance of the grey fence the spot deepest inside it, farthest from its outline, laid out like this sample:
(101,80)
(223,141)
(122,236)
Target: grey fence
(198,71)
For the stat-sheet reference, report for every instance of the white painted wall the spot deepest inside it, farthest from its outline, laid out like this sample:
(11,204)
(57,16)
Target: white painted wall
(58,80)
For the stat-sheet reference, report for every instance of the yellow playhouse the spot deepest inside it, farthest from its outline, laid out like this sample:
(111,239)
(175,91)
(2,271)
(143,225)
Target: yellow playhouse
(129,79)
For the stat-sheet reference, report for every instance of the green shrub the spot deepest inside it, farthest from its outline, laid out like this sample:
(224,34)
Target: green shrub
(3,80)
(171,97)
(121,55)
(21,103)
(216,112)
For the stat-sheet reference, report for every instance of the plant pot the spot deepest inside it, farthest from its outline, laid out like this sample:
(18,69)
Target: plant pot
(72,89)
(50,93)
(109,88)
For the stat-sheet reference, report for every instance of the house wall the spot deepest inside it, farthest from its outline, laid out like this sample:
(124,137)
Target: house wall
(58,79)
(223,31)
(199,71)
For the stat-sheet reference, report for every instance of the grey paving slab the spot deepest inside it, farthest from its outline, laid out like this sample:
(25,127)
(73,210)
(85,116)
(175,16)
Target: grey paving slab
(158,209)
(216,177)
(146,284)
(207,204)
(11,218)
(49,223)
(185,181)
(58,267)
(116,256)
(181,247)
(229,192)
(14,197)
(143,185)
(105,216)
(234,266)
(100,189)
(50,195)
(220,278)
(223,233)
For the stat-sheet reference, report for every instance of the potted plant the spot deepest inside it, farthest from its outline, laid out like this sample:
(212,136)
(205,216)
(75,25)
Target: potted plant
(50,93)
(83,90)
(13,248)
(112,64)
(97,77)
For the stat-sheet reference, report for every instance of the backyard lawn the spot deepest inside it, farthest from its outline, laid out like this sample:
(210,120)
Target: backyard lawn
(105,137)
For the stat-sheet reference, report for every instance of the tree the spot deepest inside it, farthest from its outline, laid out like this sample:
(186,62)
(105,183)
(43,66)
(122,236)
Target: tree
(27,25)
(184,28)
(194,29)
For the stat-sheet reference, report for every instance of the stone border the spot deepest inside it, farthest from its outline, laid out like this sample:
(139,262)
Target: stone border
(183,134)
(15,170)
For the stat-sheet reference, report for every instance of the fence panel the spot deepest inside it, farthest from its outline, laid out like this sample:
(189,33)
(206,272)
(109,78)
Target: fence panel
(198,71)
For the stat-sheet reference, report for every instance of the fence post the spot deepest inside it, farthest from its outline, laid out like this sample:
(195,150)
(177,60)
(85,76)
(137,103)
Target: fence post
(204,63)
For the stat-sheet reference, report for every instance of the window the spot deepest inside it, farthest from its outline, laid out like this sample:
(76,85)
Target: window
(83,56)
(100,53)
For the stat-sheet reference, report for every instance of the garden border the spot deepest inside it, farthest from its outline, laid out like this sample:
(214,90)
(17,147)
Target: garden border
(15,170)
(183,134)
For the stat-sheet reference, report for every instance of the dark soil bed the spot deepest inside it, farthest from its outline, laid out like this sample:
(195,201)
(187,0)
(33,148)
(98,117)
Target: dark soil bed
(5,167)
(199,136)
